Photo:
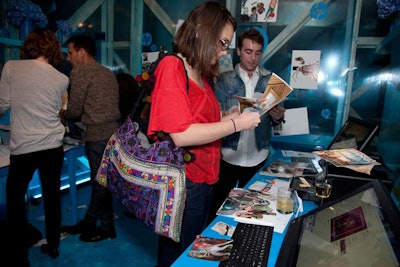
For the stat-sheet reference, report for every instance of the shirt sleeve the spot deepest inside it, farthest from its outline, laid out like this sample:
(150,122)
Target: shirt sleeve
(78,93)
(5,93)
(170,105)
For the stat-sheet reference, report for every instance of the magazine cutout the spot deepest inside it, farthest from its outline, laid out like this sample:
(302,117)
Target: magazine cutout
(276,91)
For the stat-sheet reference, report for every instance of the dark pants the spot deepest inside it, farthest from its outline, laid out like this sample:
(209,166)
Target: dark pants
(194,222)
(230,176)
(101,203)
(21,170)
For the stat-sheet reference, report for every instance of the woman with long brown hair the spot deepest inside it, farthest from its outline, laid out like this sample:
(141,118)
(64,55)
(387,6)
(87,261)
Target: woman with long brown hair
(191,116)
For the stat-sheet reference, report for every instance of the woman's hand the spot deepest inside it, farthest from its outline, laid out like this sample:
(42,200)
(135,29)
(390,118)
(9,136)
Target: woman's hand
(233,112)
(247,120)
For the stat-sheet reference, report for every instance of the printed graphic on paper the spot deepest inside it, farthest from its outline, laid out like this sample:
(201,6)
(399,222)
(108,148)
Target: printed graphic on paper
(305,69)
(259,11)
(213,249)
(148,58)
(347,224)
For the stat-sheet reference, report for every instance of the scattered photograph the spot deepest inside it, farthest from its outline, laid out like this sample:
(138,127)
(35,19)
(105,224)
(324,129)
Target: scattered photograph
(245,203)
(213,249)
(283,169)
(223,228)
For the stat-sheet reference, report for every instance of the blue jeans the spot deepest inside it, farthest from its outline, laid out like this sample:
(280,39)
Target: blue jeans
(101,203)
(194,222)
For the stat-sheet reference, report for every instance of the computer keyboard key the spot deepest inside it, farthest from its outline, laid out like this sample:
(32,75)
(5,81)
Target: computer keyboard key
(251,246)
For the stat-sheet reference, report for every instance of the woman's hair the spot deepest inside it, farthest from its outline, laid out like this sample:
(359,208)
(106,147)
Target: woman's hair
(41,42)
(198,37)
(252,34)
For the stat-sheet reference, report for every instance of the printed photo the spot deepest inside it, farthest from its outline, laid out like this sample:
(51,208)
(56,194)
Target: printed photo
(305,69)
(347,224)
(223,228)
(285,169)
(259,11)
(148,58)
(246,204)
(211,248)
(262,187)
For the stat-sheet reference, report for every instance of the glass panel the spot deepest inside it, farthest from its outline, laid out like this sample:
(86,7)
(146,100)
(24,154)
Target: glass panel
(325,105)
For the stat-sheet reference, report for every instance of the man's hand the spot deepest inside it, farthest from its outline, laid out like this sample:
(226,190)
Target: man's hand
(277,113)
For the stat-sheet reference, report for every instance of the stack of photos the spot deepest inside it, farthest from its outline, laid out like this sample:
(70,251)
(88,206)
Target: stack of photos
(246,204)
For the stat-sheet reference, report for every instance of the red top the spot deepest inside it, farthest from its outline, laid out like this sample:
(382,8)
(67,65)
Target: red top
(174,108)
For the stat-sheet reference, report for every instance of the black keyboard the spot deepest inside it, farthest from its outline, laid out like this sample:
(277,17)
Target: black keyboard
(311,170)
(251,246)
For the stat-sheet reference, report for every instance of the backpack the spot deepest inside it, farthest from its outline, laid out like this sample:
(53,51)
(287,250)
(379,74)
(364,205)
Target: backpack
(141,109)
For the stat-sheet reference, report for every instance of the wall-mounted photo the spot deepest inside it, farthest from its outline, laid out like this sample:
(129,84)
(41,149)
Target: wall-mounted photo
(305,69)
(259,11)
(148,58)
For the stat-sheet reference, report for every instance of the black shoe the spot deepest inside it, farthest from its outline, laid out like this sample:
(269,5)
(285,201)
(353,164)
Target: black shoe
(78,228)
(52,252)
(98,235)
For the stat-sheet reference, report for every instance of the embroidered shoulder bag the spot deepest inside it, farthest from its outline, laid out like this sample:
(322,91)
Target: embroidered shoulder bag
(148,179)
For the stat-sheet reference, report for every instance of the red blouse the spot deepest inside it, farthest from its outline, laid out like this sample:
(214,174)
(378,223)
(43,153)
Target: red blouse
(174,108)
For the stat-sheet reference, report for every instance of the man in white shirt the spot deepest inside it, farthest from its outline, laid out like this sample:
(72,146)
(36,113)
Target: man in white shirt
(244,153)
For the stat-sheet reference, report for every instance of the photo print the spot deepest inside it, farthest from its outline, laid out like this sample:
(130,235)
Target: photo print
(213,249)
(305,69)
(347,224)
(148,58)
(259,11)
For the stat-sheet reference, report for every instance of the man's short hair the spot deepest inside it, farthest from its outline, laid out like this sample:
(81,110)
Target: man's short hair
(252,34)
(83,41)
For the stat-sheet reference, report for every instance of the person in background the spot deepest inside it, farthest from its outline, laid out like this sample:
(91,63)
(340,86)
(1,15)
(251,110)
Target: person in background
(244,153)
(33,89)
(94,98)
(191,116)
(129,92)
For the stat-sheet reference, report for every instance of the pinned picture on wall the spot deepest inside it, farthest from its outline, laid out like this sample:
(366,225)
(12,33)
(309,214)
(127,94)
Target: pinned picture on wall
(259,11)
(305,69)
(148,58)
